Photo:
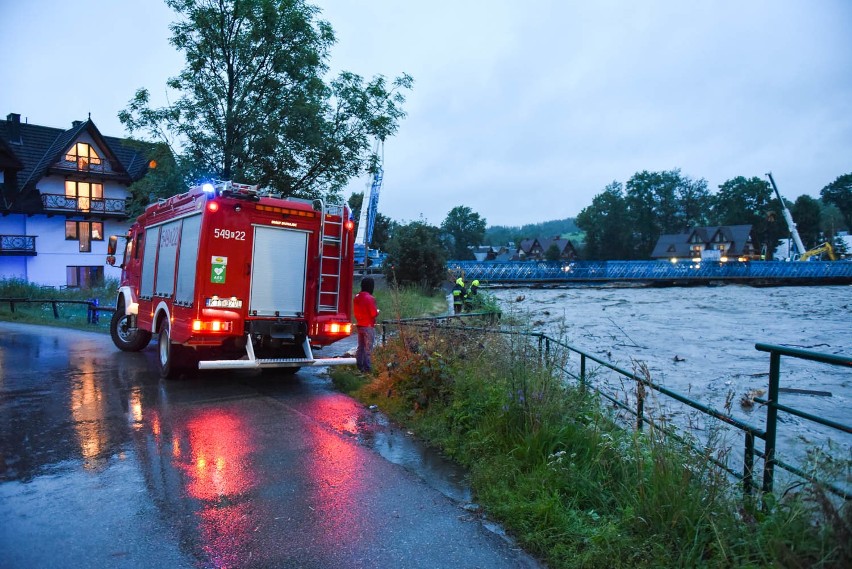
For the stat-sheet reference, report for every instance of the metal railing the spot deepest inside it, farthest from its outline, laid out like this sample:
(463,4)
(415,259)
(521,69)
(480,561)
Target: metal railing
(17,245)
(93,308)
(99,206)
(547,345)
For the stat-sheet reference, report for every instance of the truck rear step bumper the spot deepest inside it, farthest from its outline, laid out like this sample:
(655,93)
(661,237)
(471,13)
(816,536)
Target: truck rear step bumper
(251,362)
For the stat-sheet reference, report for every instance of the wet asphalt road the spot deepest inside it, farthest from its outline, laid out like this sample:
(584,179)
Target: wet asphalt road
(104,465)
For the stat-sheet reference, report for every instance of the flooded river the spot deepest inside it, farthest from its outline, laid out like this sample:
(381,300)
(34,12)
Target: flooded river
(699,341)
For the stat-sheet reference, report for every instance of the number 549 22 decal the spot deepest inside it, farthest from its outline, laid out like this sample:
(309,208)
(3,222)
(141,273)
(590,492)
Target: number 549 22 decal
(228,234)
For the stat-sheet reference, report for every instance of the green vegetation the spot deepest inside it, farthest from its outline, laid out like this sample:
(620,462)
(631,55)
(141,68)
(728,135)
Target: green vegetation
(501,234)
(577,490)
(416,256)
(70,315)
(625,221)
(409,302)
(462,228)
(255,101)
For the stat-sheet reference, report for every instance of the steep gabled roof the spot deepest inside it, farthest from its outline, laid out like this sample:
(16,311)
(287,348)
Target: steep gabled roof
(678,244)
(37,148)
(672,245)
(8,160)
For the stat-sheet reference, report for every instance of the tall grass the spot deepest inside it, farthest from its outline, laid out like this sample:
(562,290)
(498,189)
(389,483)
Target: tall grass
(575,488)
(73,316)
(408,302)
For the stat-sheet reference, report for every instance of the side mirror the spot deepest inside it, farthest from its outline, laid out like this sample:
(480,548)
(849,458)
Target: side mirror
(112,246)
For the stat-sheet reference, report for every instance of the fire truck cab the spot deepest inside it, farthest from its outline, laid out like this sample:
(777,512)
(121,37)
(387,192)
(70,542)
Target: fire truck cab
(230,277)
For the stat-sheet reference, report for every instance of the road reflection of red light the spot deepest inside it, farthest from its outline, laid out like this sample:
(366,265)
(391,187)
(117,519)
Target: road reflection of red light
(220,450)
(217,464)
(335,471)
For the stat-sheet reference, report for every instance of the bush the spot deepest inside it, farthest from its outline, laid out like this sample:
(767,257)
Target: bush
(416,256)
(575,488)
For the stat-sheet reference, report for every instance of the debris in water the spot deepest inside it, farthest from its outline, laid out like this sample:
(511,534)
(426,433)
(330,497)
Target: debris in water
(520,298)
(747,400)
(677,358)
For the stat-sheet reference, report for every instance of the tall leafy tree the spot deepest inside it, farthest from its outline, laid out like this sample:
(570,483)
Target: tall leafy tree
(607,225)
(749,201)
(806,213)
(664,202)
(416,256)
(166,173)
(839,193)
(465,228)
(254,105)
(383,229)
(831,220)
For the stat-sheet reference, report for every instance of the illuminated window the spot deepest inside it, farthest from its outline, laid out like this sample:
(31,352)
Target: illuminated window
(84,193)
(83,155)
(85,232)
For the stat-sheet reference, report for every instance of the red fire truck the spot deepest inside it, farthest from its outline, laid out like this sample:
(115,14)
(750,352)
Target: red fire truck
(231,277)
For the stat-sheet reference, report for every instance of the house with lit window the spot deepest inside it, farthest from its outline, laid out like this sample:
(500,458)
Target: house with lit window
(61,193)
(723,243)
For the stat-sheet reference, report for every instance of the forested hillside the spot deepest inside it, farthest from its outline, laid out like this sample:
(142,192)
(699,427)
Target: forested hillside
(502,234)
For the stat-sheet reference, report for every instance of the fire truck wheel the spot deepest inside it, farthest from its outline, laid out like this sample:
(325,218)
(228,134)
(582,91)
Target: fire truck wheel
(123,336)
(171,358)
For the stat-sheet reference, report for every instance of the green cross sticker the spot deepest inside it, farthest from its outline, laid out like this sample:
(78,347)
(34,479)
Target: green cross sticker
(217,273)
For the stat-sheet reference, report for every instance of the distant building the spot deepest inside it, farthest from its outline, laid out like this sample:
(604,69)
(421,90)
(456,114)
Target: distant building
(722,243)
(536,249)
(61,192)
(491,253)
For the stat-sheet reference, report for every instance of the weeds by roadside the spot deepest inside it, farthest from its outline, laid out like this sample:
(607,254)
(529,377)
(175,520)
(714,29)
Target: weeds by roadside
(571,484)
(70,316)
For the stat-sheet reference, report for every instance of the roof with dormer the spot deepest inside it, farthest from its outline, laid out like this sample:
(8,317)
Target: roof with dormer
(28,152)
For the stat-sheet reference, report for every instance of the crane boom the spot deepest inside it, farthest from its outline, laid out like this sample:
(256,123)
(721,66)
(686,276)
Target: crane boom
(788,217)
(370,203)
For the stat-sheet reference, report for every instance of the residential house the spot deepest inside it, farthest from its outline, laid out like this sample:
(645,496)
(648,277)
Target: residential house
(491,253)
(61,193)
(536,249)
(723,243)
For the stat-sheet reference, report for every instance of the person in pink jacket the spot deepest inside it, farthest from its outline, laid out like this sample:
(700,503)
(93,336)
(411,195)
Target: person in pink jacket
(366,312)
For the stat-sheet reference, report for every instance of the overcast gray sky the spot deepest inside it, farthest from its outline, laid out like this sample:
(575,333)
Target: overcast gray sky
(523,111)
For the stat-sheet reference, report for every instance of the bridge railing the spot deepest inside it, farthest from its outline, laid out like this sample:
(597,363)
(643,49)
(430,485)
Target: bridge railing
(547,346)
(651,271)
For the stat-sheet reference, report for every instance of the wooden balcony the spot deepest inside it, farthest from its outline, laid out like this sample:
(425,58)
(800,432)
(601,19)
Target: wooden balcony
(87,165)
(17,245)
(97,207)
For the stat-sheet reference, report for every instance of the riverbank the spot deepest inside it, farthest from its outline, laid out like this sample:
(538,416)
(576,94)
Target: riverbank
(549,463)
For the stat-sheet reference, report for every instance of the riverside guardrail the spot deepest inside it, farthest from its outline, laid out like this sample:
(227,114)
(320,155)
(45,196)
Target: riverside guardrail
(93,308)
(547,345)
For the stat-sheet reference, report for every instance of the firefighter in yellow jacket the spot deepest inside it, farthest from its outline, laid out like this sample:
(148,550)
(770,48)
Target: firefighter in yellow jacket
(458,296)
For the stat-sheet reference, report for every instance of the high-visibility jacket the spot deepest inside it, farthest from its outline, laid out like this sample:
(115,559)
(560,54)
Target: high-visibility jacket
(458,292)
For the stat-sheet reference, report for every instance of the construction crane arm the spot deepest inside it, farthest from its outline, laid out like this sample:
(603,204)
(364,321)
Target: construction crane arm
(824,248)
(788,217)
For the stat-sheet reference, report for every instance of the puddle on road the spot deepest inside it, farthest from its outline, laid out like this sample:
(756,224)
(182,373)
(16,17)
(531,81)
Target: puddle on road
(399,447)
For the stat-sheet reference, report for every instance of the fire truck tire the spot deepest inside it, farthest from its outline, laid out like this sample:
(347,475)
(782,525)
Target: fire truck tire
(172,359)
(126,338)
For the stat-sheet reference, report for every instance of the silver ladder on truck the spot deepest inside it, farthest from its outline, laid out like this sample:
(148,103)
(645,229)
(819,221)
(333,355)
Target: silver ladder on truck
(331,257)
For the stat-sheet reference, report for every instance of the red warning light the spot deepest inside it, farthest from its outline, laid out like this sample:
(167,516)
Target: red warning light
(212,207)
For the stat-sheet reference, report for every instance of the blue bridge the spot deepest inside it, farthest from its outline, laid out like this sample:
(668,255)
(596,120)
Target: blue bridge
(660,273)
